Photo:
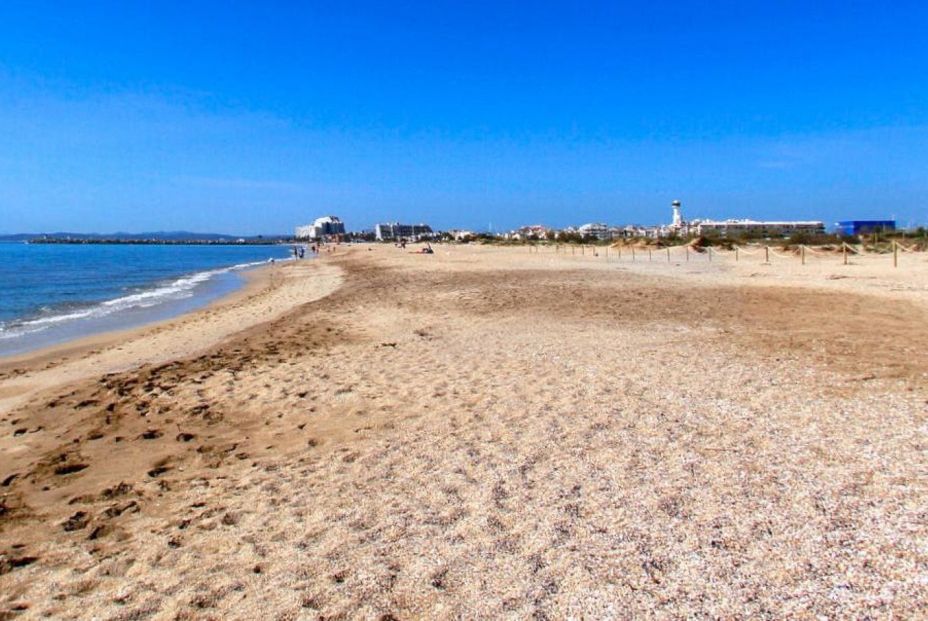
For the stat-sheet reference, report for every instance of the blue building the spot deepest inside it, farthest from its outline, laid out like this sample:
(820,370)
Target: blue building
(850,228)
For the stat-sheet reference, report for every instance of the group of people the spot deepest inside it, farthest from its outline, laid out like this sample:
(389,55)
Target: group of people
(299,252)
(427,250)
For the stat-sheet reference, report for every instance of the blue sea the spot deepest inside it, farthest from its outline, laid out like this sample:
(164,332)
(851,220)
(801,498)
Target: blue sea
(53,293)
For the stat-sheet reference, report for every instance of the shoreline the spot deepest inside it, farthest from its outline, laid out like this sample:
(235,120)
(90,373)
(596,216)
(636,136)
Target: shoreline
(119,350)
(127,310)
(252,279)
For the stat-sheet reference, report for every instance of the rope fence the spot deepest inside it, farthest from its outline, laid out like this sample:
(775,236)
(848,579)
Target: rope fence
(686,253)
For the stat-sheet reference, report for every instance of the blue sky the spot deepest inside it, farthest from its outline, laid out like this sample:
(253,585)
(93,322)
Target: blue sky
(254,117)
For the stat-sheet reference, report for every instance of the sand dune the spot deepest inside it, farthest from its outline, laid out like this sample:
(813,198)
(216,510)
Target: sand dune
(483,433)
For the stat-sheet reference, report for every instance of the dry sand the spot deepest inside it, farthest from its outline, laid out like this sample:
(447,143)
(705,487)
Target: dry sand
(485,433)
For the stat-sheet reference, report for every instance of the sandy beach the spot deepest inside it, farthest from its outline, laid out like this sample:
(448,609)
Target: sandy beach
(485,432)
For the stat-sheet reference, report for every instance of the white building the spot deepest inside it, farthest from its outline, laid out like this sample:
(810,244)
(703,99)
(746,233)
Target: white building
(677,214)
(635,230)
(326,226)
(389,231)
(736,228)
(595,229)
(530,232)
(756,228)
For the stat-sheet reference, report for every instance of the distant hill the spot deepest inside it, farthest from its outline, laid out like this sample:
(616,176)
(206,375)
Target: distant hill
(169,236)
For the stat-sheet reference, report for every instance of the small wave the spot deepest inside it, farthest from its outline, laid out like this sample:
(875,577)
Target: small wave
(179,289)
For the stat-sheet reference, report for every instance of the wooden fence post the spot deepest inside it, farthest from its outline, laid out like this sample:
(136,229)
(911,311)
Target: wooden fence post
(766,254)
(802,254)
(844,251)
(895,254)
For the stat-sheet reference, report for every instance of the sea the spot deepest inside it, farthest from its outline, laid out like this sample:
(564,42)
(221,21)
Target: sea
(54,293)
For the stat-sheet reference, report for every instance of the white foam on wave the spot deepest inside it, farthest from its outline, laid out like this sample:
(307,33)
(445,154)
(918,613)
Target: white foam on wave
(179,289)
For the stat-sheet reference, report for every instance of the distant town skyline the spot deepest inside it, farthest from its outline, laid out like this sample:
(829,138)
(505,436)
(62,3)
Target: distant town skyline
(246,120)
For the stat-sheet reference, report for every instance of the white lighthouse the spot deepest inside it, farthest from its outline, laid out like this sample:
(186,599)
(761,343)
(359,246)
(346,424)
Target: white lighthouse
(677,217)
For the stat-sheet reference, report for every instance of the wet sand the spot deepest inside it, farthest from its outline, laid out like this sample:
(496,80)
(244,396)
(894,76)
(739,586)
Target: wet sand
(483,433)
(268,292)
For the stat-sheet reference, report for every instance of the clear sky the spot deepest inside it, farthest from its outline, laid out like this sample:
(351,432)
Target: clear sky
(252,117)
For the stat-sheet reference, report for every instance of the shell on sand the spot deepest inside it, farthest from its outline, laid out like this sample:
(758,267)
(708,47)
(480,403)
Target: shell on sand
(481,433)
